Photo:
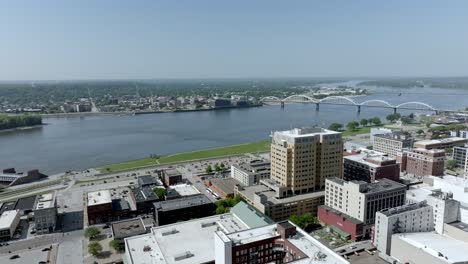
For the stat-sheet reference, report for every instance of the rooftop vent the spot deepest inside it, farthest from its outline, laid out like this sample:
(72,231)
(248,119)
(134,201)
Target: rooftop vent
(183,256)
(146,249)
(171,232)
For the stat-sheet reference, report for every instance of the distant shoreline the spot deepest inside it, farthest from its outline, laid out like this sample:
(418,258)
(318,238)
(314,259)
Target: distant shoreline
(22,128)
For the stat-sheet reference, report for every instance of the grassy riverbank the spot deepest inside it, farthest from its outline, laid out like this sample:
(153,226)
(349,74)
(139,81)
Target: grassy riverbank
(358,131)
(253,147)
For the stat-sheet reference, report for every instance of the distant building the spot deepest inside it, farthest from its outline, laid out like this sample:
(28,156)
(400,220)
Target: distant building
(45,213)
(359,200)
(422,162)
(99,207)
(459,133)
(369,167)
(220,103)
(144,199)
(403,219)
(441,143)
(9,221)
(10,177)
(171,176)
(128,228)
(223,187)
(379,131)
(148,181)
(251,173)
(392,144)
(183,209)
(460,156)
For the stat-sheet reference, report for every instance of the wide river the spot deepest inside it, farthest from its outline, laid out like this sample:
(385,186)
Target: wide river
(76,143)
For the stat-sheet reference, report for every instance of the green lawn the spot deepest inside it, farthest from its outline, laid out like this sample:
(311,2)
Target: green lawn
(358,131)
(260,146)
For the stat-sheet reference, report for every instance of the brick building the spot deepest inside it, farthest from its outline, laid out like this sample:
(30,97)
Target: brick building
(99,207)
(183,209)
(422,162)
(369,167)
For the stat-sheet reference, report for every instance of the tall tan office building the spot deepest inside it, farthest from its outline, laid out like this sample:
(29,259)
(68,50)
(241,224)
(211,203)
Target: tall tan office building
(302,158)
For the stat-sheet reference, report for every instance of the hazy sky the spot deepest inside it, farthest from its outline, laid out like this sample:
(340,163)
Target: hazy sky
(80,39)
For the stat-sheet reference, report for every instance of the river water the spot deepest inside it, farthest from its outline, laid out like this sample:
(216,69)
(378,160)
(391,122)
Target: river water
(74,143)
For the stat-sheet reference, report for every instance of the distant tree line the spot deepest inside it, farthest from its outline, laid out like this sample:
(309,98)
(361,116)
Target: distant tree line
(7,122)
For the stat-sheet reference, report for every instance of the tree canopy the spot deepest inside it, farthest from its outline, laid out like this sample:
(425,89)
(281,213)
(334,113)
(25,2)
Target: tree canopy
(91,232)
(8,122)
(94,248)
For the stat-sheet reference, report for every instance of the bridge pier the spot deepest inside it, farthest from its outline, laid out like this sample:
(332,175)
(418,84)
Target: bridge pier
(317,107)
(282,104)
(359,109)
(394,110)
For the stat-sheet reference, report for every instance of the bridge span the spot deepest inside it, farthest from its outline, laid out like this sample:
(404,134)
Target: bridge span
(343,100)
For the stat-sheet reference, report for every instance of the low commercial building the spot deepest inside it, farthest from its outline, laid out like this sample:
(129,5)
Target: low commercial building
(441,143)
(10,177)
(171,176)
(403,219)
(190,241)
(144,199)
(460,156)
(268,198)
(428,248)
(346,226)
(45,213)
(278,243)
(209,240)
(369,167)
(127,228)
(459,133)
(183,209)
(422,162)
(99,207)
(223,187)
(148,181)
(392,144)
(251,173)
(361,200)
(9,221)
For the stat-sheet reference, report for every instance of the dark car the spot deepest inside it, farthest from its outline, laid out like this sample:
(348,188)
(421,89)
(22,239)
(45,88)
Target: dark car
(14,257)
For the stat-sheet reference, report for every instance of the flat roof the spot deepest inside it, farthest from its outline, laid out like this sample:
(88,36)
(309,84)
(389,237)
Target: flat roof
(99,197)
(184,189)
(404,208)
(438,141)
(226,184)
(147,180)
(445,248)
(375,187)
(26,203)
(45,201)
(144,194)
(194,237)
(249,215)
(7,218)
(128,227)
(305,132)
(172,172)
(336,212)
(183,202)
(250,192)
(371,156)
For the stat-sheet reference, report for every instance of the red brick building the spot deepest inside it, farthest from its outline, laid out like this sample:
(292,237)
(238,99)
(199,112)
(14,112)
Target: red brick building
(99,207)
(351,226)
(422,162)
(369,167)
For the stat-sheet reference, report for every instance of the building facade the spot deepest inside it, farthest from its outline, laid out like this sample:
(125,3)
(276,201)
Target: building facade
(441,143)
(183,209)
(370,167)
(302,158)
(460,156)
(361,200)
(408,218)
(251,173)
(423,162)
(45,213)
(99,207)
(392,144)
(9,221)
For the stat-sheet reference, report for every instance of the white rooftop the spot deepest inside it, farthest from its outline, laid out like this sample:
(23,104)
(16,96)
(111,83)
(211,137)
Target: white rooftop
(99,197)
(185,189)
(436,141)
(7,218)
(305,132)
(45,201)
(167,242)
(452,250)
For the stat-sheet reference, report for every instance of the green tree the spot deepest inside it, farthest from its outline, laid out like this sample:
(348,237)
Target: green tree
(303,221)
(117,245)
(217,167)
(335,126)
(364,122)
(393,117)
(376,121)
(428,124)
(91,232)
(160,192)
(352,125)
(405,120)
(451,164)
(208,169)
(94,248)
(420,131)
